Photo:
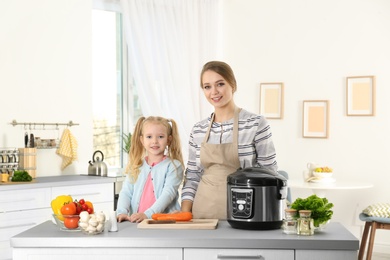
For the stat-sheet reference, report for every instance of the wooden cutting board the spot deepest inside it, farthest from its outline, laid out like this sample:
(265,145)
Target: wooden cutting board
(16,182)
(193,224)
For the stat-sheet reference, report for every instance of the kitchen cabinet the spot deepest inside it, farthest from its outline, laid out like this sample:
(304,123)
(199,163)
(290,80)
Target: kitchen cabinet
(23,206)
(196,254)
(100,254)
(224,242)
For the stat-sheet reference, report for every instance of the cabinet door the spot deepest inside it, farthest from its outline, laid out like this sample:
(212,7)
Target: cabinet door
(325,254)
(13,223)
(97,253)
(24,199)
(95,193)
(196,254)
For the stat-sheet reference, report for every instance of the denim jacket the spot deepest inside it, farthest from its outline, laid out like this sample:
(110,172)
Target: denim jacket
(166,180)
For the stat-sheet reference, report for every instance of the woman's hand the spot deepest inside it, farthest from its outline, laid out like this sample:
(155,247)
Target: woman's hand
(137,217)
(123,217)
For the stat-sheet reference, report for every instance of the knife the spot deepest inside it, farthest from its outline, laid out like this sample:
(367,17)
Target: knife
(25,140)
(151,221)
(167,221)
(32,140)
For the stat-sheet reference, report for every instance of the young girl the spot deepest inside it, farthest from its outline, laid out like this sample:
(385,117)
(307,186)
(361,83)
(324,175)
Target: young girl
(154,172)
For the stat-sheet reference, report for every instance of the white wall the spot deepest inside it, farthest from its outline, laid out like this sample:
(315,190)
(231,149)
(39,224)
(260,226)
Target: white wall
(312,46)
(45,75)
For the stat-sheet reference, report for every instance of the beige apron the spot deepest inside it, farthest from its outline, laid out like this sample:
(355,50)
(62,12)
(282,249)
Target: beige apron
(218,160)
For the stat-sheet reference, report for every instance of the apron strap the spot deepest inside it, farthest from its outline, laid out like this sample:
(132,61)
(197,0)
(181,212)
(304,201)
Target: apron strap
(235,127)
(206,137)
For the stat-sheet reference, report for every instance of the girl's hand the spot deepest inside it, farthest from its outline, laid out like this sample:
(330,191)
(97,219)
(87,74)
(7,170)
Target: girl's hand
(123,217)
(137,217)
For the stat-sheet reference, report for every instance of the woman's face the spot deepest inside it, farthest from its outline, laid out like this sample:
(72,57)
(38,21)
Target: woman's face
(216,89)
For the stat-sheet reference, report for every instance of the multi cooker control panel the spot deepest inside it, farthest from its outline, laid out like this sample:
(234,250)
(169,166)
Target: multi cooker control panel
(242,201)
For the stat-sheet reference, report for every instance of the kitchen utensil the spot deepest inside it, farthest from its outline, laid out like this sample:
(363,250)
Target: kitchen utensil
(194,224)
(32,145)
(255,199)
(97,167)
(26,140)
(152,221)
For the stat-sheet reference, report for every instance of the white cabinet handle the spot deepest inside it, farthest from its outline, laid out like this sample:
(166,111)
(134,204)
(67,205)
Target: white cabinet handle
(20,225)
(10,200)
(85,194)
(239,257)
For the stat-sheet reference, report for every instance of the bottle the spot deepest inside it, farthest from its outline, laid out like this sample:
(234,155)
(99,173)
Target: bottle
(290,222)
(305,223)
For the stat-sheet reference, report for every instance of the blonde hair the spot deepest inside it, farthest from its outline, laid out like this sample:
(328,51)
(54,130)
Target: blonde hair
(137,150)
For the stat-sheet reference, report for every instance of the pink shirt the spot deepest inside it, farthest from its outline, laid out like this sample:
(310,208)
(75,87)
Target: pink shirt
(147,198)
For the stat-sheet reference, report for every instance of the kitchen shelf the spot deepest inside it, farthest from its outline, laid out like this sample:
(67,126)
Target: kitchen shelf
(30,124)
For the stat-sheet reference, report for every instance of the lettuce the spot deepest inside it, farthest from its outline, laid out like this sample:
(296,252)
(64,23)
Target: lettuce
(320,208)
(21,176)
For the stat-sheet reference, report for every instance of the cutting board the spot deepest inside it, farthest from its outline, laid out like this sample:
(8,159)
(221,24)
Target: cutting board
(193,224)
(16,182)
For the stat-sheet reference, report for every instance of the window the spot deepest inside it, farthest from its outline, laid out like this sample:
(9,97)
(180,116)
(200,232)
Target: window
(107,85)
(113,99)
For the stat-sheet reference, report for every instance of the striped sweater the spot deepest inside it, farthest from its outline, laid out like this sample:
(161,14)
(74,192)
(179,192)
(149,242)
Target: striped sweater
(255,146)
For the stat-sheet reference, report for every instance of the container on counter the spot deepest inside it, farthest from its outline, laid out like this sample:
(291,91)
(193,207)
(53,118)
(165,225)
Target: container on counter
(290,222)
(305,223)
(28,160)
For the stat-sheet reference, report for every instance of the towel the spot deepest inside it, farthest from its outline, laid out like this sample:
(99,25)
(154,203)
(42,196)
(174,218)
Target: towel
(67,148)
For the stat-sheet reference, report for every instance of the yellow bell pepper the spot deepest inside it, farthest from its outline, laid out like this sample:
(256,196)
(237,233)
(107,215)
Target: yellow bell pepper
(57,204)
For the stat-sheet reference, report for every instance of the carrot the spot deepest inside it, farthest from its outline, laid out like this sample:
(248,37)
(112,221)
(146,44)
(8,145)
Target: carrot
(155,216)
(179,216)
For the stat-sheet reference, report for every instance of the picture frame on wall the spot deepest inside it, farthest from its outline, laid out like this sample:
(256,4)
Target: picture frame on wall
(361,96)
(271,100)
(315,118)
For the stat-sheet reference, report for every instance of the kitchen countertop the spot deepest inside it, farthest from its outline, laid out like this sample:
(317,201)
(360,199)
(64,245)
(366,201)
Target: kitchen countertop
(64,180)
(48,235)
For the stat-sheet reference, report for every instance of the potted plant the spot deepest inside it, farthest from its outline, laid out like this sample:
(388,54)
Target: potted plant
(321,209)
(126,142)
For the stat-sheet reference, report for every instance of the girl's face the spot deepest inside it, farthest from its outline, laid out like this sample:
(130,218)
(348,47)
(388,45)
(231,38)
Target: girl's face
(216,89)
(154,139)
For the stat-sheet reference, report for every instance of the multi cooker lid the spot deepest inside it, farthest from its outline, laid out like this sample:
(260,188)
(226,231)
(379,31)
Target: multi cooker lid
(256,176)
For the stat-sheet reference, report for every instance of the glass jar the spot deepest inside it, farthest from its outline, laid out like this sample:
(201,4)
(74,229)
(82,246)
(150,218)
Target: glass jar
(305,223)
(290,221)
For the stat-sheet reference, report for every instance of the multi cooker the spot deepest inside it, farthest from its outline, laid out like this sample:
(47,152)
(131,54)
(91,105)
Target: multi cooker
(255,198)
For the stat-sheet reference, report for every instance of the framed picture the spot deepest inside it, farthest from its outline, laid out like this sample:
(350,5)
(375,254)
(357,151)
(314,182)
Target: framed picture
(271,100)
(315,118)
(361,96)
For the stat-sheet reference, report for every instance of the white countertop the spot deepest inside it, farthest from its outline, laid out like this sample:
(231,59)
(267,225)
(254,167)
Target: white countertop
(48,235)
(64,180)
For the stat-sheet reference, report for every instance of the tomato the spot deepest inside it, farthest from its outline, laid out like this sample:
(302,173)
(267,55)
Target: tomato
(90,206)
(71,222)
(90,211)
(82,201)
(84,207)
(68,209)
(78,208)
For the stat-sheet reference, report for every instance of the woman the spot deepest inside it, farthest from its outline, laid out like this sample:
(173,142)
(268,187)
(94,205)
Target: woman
(220,144)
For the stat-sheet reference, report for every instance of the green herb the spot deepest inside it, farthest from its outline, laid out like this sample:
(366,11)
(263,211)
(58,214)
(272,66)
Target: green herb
(320,208)
(21,176)
(126,142)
